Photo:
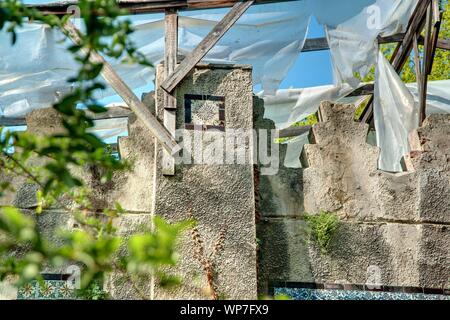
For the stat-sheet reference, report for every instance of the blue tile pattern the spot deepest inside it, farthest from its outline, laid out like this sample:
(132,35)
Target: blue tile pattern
(51,290)
(324,294)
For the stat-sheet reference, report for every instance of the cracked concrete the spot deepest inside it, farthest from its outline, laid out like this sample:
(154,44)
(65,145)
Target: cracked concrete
(396,222)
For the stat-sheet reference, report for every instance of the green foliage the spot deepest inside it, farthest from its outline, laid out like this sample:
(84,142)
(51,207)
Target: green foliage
(308,121)
(322,227)
(92,292)
(148,251)
(441,64)
(95,245)
(283,297)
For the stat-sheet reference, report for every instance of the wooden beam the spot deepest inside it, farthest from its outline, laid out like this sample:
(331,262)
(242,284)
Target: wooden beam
(443,44)
(367,114)
(112,113)
(170,52)
(417,64)
(435,36)
(364,90)
(205,45)
(319,44)
(150,6)
(389,39)
(11,122)
(315,44)
(293,131)
(121,88)
(403,49)
(170,102)
(418,67)
(426,62)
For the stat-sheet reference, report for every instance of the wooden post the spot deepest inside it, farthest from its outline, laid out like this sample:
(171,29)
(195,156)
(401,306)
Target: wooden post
(170,102)
(402,51)
(205,45)
(418,67)
(437,17)
(424,71)
(136,105)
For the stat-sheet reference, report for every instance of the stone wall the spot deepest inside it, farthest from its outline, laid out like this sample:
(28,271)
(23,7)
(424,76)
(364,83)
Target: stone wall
(219,197)
(397,223)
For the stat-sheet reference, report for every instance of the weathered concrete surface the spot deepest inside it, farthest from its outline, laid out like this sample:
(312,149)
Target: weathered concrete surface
(118,284)
(281,193)
(219,197)
(342,173)
(396,223)
(430,159)
(132,188)
(340,166)
(413,255)
(40,122)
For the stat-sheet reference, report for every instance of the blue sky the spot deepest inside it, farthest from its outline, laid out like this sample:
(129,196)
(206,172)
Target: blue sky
(312,68)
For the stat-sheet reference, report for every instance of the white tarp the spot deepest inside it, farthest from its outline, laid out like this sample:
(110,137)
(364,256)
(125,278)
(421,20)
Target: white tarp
(353,43)
(438,96)
(270,37)
(281,106)
(352,37)
(289,106)
(395,115)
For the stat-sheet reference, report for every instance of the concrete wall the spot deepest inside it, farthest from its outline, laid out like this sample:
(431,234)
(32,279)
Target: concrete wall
(219,197)
(398,223)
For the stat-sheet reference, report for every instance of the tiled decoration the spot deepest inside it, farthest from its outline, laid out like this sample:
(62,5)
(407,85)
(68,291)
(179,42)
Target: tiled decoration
(204,111)
(55,287)
(339,294)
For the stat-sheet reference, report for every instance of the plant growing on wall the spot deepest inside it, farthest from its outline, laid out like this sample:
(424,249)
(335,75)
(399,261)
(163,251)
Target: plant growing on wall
(208,260)
(95,244)
(321,228)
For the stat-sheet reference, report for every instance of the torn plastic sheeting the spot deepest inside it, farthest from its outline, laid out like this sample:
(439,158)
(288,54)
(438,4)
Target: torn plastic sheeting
(280,108)
(289,106)
(34,71)
(109,129)
(269,37)
(353,43)
(294,150)
(438,96)
(396,114)
(295,145)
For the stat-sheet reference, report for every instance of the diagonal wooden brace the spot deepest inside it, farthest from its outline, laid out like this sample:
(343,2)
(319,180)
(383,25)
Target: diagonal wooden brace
(121,88)
(205,45)
(170,102)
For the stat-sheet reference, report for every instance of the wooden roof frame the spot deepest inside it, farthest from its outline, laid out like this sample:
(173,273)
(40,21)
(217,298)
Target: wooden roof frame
(425,12)
(151,6)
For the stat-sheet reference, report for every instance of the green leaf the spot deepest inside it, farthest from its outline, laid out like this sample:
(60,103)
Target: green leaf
(96,108)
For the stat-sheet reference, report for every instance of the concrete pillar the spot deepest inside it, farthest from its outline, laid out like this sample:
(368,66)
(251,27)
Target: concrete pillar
(209,186)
